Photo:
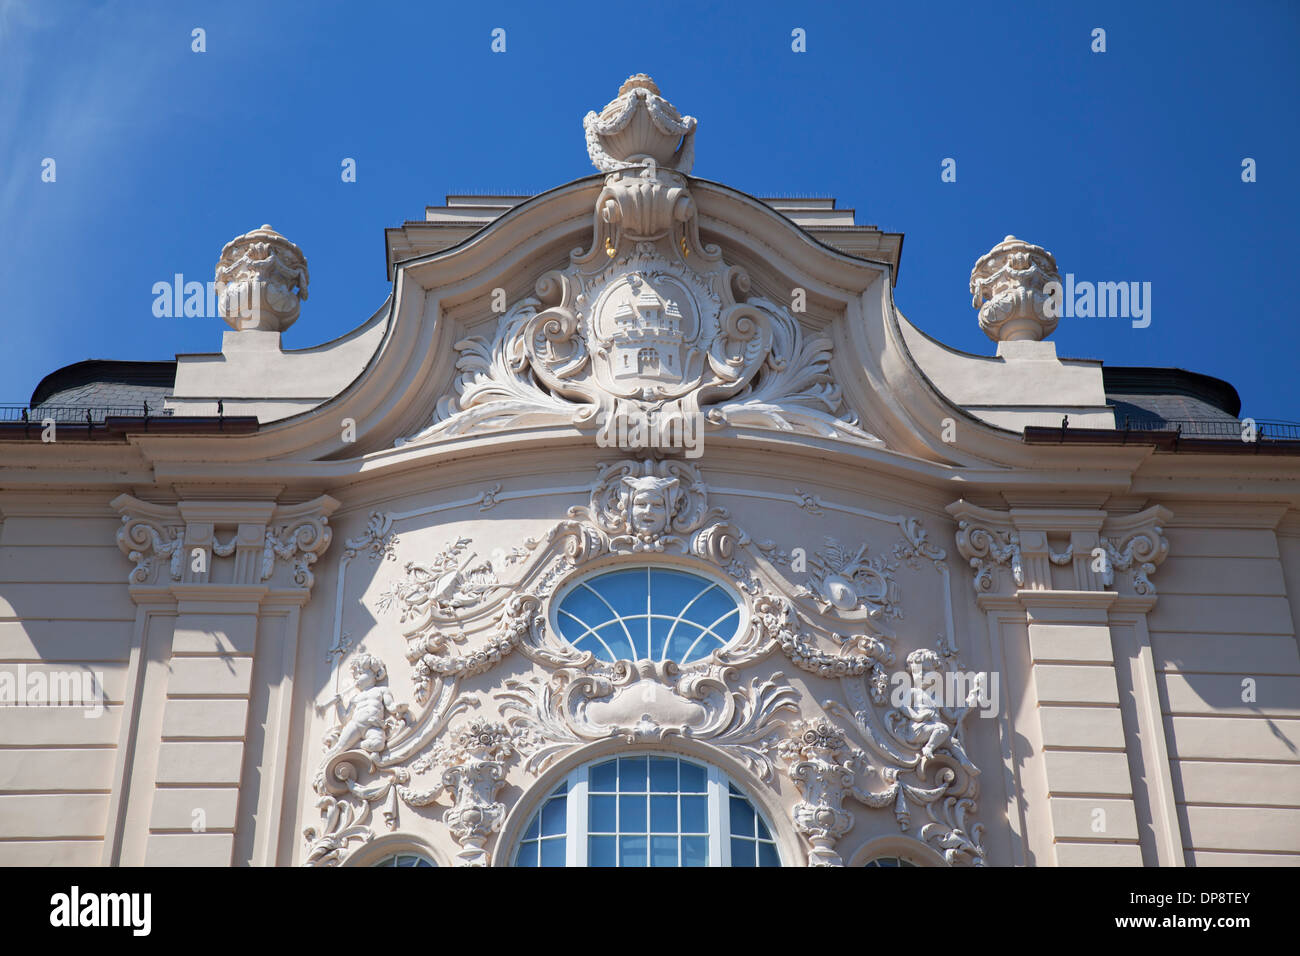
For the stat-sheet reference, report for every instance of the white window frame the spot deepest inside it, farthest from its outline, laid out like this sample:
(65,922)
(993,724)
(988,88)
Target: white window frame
(719,810)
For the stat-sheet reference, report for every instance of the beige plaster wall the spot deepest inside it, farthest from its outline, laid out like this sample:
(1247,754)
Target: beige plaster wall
(1225,622)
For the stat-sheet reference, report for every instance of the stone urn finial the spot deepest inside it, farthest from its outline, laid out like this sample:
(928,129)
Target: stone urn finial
(1009,287)
(261,280)
(637,125)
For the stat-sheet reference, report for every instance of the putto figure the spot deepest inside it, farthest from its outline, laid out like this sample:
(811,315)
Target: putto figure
(372,714)
(921,719)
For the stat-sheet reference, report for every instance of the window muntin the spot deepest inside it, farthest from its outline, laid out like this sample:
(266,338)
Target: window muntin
(647,810)
(405,860)
(888,861)
(544,840)
(648,613)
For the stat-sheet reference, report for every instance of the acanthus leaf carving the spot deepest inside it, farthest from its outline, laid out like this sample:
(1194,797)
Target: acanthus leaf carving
(1140,553)
(985,548)
(301,542)
(647,701)
(151,544)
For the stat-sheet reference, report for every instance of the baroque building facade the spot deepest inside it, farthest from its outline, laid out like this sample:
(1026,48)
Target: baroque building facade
(640,527)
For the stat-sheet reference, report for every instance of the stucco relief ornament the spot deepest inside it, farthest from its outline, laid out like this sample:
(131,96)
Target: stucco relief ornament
(1009,287)
(827,771)
(1141,553)
(474,762)
(987,548)
(261,281)
(849,580)
(450,580)
(917,737)
(365,724)
(365,760)
(151,544)
(647,701)
(648,321)
(378,540)
(301,543)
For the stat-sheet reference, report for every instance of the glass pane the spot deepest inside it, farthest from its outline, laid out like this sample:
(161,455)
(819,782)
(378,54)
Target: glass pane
(631,814)
(632,851)
(632,774)
(602,814)
(695,851)
(663,814)
(695,814)
(586,607)
(602,851)
(659,628)
(613,639)
(603,778)
(711,606)
(684,635)
(694,778)
(742,817)
(573,628)
(527,855)
(553,852)
(533,826)
(663,775)
(553,816)
(742,852)
(670,591)
(625,591)
(663,851)
(767,855)
(763,833)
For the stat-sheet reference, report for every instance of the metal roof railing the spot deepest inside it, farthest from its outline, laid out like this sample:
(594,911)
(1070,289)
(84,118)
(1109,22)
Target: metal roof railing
(77,414)
(1226,429)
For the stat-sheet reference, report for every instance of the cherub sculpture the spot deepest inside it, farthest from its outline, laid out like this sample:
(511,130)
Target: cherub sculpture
(371,715)
(921,718)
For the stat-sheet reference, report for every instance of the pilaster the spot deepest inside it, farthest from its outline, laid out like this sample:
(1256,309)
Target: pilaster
(219,565)
(1096,748)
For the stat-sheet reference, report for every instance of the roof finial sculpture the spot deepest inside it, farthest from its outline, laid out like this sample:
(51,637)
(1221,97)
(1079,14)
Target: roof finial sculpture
(261,280)
(1009,287)
(637,125)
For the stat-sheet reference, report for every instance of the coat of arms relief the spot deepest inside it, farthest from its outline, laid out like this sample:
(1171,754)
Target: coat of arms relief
(454,746)
(649,321)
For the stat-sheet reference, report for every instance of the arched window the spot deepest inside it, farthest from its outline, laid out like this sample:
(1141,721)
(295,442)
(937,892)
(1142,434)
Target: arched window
(888,861)
(405,859)
(647,810)
(648,613)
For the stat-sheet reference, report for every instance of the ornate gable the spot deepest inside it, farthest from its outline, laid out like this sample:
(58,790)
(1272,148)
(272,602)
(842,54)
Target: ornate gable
(648,320)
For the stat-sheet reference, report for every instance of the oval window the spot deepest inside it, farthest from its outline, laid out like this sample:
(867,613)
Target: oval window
(648,613)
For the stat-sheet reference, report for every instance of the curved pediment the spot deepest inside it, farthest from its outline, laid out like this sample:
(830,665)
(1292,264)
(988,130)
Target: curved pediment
(641,308)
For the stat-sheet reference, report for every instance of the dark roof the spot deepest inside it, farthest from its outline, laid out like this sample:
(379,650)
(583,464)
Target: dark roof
(1168,394)
(105,382)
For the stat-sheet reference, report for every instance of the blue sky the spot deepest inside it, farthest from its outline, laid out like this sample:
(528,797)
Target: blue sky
(1125,164)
